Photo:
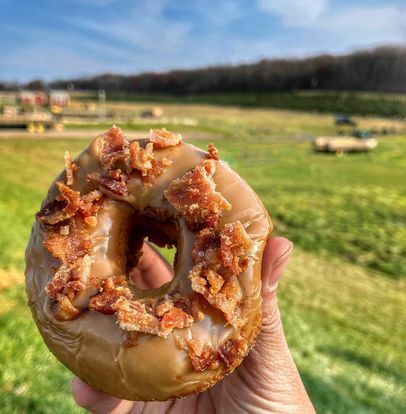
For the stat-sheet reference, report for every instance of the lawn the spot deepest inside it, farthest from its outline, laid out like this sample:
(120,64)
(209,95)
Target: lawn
(341,298)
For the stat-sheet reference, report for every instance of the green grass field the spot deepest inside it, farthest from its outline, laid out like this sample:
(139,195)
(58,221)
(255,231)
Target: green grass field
(342,297)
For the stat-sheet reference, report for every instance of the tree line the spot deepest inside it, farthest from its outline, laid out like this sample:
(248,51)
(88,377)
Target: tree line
(382,69)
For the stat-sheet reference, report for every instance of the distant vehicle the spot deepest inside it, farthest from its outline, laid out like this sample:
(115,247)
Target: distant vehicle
(32,120)
(341,119)
(340,145)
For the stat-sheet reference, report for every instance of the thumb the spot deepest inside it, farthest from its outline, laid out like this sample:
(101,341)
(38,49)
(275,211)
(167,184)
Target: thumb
(270,359)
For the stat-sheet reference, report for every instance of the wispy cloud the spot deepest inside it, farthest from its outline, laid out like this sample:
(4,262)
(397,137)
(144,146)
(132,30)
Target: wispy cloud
(45,40)
(298,13)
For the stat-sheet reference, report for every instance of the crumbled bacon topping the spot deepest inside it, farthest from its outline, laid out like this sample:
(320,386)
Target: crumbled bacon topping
(232,350)
(115,181)
(112,289)
(58,282)
(140,158)
(67,204)
(175,318)
(132,316)
(195,198)
(224,251)
(208,358)
(213,153)
(113,148)
(64,310)
(70,168)
(68,248)
(157,169)
(161,138)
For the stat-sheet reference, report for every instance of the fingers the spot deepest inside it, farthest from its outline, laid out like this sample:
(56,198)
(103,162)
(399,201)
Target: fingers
(97,402)
(152,270)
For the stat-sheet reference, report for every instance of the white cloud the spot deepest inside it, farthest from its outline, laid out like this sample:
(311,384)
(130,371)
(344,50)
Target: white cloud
(298,13)
(366,24)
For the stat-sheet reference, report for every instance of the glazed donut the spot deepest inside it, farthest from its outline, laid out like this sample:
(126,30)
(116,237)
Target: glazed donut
(147,344)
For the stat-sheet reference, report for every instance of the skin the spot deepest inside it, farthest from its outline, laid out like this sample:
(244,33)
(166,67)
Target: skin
(266,382)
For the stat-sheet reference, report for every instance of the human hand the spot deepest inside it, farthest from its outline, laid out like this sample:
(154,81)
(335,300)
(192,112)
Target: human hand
(266,382)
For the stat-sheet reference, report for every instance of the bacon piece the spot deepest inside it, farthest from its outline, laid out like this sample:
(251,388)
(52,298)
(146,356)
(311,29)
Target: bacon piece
(63,309)
(113,147)
(195,198)
(175,318)
(235,244)
(112,289)
(228,292)
(67,204)
(132,316)
(202,357)
(157,169)
(68,248)
(161,138)
(223,251)
(232,350)
(189,304)
(213,153)
(70,168)
(52,213)
(58,282)
(140,158)
(115,182)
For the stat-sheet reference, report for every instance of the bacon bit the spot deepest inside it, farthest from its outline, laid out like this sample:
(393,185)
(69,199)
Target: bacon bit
(91,221)
(232,351)
(132,316)
(67,204)
(73,288)
(194,197)
(202,358)
(161,138)
(116,182)
(140,158)
(113,147)
(164,307)
(131,339)
(215,280)
(213,153)
(52,213)
(206,249)
(227,297)
(223,251)
(235,244)
(70,247)
(70,168)
(64,230)
(189,304)
(113,288)
(154,173)
(81,269)
(64,310)
(165,162)
(58,282)
(175,318)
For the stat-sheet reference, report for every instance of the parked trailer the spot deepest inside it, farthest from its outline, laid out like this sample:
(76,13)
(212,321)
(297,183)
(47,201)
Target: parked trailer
(340,145)
(32,121)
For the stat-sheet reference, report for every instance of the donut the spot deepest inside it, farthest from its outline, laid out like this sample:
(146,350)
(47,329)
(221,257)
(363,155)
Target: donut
(127,341)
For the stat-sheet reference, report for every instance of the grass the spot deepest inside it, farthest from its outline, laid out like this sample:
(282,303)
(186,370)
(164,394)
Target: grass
(342,297)
(352,103)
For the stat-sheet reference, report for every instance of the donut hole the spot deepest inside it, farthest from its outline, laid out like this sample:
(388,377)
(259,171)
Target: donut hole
(151,253)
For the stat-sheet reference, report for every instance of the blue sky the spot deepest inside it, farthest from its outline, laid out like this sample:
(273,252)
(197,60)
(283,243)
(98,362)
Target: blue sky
(57,39)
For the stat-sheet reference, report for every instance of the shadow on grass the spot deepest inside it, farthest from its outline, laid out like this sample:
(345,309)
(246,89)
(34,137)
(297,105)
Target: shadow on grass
(364,362)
